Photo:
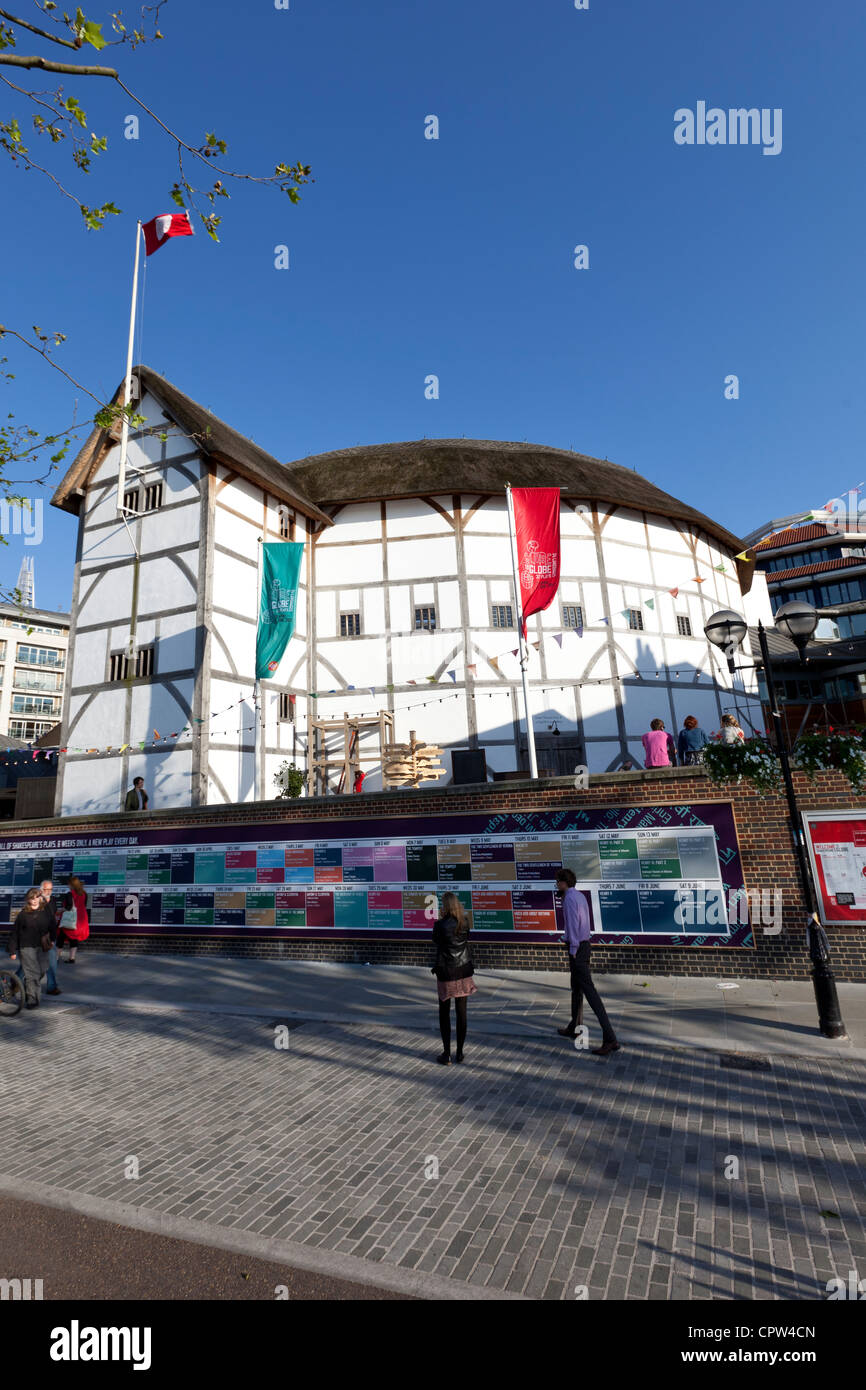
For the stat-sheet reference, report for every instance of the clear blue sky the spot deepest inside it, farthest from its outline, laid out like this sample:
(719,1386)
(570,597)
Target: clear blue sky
(454,256)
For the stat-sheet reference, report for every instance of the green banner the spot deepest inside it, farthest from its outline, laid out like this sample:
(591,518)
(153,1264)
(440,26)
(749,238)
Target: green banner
(281,567)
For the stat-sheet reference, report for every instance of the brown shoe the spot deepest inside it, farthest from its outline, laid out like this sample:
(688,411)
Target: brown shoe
(566,1032)
(605,1048)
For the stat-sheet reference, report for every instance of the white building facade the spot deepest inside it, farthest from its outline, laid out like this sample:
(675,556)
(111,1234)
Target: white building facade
(32,670)
(406,604)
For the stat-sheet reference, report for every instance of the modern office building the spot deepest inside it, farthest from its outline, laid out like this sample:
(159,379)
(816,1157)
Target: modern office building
(823,564)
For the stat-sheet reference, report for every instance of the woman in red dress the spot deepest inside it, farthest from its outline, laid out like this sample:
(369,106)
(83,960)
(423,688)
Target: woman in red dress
(73,936)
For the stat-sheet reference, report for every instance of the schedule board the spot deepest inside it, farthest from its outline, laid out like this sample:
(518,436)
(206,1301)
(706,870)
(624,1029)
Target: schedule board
(655,875)
(837,850)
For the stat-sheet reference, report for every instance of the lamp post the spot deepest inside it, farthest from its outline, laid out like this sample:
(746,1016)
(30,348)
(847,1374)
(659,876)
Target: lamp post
(796,621)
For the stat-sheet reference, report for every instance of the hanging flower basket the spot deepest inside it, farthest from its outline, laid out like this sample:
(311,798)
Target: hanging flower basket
(841,750)
(752,760)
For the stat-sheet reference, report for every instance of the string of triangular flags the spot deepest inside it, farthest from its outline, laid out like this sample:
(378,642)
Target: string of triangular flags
(13,756)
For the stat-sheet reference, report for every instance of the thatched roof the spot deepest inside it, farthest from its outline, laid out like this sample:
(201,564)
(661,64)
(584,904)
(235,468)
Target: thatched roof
(435,466)
(206,432)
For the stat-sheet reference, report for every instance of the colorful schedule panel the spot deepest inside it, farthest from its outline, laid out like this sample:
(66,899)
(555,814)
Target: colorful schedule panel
(651,875)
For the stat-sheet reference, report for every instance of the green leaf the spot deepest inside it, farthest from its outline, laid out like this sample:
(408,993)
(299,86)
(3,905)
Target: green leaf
(92,34)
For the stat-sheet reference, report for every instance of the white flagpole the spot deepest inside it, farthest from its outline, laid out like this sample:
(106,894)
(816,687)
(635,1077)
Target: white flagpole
(258,693)
(127,387)
(524,655)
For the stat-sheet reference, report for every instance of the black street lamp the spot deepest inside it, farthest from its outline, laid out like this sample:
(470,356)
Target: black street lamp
(796,621)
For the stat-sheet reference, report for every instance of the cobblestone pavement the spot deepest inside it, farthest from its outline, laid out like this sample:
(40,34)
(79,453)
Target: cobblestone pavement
(556,1169)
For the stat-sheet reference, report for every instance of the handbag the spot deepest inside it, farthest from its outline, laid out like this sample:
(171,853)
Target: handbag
(68,920)
(45,941)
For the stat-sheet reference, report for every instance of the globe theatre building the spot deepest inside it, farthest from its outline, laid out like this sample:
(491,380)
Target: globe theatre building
(406,605)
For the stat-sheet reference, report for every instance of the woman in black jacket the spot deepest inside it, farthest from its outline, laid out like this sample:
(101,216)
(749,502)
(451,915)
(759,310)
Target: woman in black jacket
(453,971)
(30,938)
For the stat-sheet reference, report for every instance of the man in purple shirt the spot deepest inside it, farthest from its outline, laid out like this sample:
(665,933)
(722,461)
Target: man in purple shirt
(577,936)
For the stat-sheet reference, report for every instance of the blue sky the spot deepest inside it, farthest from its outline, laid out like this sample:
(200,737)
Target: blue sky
(455,257)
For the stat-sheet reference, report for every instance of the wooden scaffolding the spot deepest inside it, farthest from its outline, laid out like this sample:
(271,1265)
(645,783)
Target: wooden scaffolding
(346,753)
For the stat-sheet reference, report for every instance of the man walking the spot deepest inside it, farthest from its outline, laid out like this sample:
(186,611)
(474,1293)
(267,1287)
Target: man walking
(136,797)
(577,935)
(46,888)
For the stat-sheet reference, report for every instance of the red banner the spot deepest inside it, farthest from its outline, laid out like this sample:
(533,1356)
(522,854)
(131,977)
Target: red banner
(536,524)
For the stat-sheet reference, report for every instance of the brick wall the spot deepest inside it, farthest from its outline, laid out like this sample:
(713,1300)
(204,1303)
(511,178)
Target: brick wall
(762,827)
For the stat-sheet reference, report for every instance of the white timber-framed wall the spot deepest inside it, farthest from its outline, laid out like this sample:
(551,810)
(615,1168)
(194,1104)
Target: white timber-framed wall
(384,559)
(191,592)
(184,579)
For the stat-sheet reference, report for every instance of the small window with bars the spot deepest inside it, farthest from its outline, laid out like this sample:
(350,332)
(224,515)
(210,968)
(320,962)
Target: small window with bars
(350,624)
(425,619)
(572,615)
(287,708)
(152,497)
(130,499)
(502,615)
(122,666)
(635,619)
(684,625)
(287,524)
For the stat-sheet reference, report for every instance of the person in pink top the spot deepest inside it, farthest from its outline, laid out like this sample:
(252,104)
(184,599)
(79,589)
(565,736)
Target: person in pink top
(659,746)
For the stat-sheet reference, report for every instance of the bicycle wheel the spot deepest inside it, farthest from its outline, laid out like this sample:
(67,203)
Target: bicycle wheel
(11,994)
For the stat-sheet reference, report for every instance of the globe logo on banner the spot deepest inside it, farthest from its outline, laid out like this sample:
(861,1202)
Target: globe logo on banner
(281,603)
(538,564)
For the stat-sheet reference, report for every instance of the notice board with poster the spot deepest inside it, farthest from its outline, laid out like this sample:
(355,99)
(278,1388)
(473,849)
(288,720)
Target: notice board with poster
(381,877)
(836,841)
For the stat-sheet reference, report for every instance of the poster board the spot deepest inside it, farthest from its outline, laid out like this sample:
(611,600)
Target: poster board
(836,841)
(652,875)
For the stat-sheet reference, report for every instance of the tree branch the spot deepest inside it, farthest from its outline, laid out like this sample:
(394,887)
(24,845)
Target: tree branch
(43,352)
(73,69)
(52,38)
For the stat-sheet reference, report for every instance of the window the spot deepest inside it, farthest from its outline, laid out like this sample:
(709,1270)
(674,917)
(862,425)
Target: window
(122,667)
(780,596)
(33,704)
(287,708)
(39,656)
(287,524)
(23,679)
(152,497)
(635,619)
(350,624)
(502,615)
(130,499)
(684,625)
(849,591)
(28,729)
(572,615)
(851,624)
(425,619)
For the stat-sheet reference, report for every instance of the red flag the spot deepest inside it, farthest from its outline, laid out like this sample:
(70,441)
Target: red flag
(158,231)
(536,522)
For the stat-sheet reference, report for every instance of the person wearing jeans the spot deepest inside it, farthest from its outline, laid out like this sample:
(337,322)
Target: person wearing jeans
(32,927)
(577,936)
(54,907)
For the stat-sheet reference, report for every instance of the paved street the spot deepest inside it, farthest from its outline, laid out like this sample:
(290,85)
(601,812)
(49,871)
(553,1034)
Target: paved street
(531,1171)
(81,1257)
